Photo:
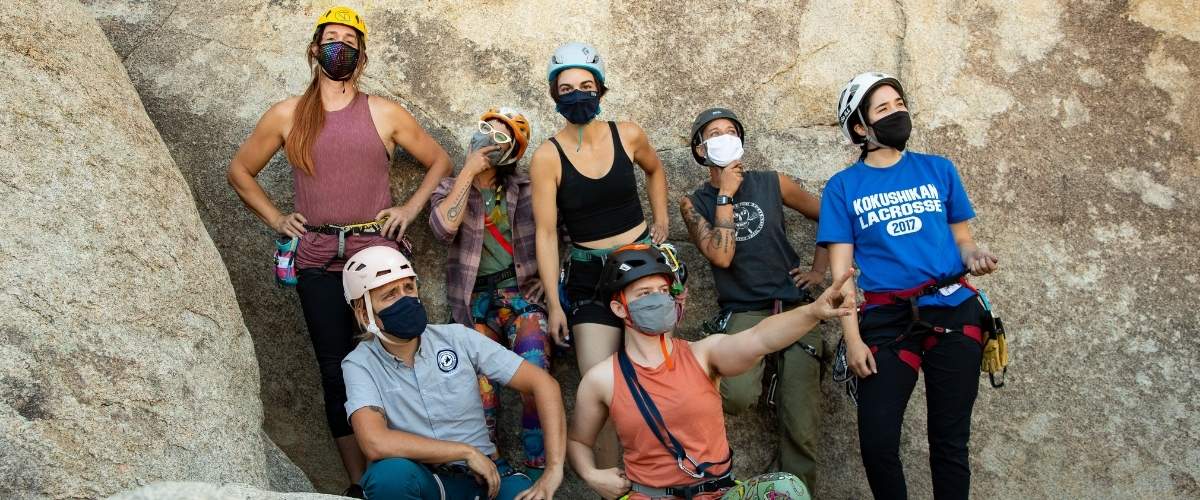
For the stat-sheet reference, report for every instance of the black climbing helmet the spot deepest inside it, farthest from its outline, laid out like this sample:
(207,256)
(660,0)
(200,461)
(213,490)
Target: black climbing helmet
(631,263)
(707,116)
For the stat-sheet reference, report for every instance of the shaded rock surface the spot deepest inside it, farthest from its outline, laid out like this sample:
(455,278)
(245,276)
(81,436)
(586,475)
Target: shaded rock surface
(124,357)
(209,491)
(1072,124)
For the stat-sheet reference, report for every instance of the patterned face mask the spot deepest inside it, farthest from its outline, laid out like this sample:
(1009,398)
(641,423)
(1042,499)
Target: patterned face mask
(338,59)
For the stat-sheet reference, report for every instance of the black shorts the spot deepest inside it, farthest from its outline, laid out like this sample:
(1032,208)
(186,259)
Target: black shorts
(584,303)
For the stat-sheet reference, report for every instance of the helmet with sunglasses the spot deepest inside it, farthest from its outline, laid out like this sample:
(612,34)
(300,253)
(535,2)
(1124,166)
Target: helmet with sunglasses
(631,263)
(342,15)
(576,55)
(851,99)
(519,126)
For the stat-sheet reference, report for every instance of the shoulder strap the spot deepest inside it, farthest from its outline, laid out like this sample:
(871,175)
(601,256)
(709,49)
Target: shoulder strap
(564,163)
(654,420)
(618,148)
(495,232)
(557,146)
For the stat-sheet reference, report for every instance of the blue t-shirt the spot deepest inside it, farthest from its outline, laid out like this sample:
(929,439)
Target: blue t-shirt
(898,219)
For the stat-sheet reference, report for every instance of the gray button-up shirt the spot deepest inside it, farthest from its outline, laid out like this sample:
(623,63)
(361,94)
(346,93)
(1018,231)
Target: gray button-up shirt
(438,397)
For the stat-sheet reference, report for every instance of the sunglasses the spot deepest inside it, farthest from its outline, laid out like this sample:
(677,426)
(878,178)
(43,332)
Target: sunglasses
(497,136)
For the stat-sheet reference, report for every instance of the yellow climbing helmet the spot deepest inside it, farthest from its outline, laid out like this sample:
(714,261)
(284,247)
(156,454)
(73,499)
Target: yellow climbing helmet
(342,15)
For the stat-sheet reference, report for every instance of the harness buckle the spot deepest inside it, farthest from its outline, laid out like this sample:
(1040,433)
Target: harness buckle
(679,462)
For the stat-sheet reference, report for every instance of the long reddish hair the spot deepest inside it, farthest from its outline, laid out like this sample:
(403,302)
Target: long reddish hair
(309,116)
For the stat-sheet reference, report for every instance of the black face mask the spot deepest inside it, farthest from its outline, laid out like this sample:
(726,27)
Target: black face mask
(338,59)
(893,130)
(579,107)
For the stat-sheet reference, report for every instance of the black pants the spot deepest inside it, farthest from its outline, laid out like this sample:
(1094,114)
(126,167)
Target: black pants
(332,328)
(951,383)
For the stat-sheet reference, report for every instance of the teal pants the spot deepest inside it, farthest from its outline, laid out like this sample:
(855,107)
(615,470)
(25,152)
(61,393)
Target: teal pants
(401,478)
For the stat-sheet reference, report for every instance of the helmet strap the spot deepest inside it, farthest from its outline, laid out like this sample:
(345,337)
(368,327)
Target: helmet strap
(870,138)
(372,328)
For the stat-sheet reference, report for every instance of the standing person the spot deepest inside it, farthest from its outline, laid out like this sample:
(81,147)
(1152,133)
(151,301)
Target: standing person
(485,214)
(902,217)
(584,174)
(662,391)
(339,143)
(736,221)
(414,403)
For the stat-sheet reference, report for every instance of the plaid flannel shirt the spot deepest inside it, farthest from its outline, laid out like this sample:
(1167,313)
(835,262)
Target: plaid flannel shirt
(466,244)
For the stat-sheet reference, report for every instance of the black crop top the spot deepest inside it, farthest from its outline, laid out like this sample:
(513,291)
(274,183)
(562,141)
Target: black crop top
(594,209)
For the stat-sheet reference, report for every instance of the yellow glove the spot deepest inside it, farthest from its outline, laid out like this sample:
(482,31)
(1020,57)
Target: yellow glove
(993,359)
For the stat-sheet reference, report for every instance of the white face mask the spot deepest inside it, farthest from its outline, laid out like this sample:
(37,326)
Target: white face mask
(724,149)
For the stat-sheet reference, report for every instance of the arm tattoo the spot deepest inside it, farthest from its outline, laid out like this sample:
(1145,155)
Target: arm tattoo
(705,234)
(456,209)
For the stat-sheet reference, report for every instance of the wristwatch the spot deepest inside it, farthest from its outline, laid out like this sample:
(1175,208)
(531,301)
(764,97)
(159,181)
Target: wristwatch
(724,200)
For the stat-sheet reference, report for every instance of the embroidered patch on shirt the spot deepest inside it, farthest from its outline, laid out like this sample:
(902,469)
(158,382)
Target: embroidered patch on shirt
(447,360)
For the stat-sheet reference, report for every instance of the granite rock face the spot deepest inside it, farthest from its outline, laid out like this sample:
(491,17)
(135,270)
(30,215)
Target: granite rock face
(124,357)
(1072,124)
(210,491)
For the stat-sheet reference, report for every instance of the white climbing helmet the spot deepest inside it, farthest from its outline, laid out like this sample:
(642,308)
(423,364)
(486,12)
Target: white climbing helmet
(576,55)
(373,267)
(853,94)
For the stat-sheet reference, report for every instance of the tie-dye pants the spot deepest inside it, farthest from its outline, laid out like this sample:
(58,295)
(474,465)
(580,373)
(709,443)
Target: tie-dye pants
(506,317)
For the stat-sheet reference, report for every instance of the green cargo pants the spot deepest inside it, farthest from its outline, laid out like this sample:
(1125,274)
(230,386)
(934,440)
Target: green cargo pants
(798,395)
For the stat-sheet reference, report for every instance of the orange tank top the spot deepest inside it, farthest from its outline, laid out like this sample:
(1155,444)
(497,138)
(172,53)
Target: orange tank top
(690,406)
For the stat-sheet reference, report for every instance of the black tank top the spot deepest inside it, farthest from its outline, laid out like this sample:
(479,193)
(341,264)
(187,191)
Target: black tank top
(758,274)
(594,209)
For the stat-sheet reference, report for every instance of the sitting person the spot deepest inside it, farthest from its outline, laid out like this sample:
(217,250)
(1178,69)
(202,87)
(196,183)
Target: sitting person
(485,215)
(662,392)
(413,399)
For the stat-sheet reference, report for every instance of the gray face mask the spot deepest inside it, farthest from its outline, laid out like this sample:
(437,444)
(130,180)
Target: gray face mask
(482,140)
(653,314)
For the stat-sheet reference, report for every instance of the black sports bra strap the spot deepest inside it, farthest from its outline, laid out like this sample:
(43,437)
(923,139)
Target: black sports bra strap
(557,146)
(618,148)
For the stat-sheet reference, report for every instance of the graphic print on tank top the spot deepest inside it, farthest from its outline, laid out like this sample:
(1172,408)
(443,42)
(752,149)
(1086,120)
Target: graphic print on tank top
(749,219)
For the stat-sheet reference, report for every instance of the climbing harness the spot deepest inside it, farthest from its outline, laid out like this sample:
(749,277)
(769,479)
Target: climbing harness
(919,326)
(371,227)
(995,346)
(285,247)
(710,486)
(687,464)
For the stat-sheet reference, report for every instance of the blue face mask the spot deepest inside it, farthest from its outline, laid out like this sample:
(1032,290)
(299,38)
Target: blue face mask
(578,106)
(404,319)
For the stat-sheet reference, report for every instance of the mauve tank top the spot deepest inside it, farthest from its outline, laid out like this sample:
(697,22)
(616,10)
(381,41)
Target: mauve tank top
(691,407)
(349,184)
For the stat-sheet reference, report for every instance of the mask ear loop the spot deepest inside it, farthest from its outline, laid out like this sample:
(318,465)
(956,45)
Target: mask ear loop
(372,328)
(662,338)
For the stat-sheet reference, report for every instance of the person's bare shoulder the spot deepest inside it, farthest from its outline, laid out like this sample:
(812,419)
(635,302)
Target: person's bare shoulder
(598,381)
(544,161)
